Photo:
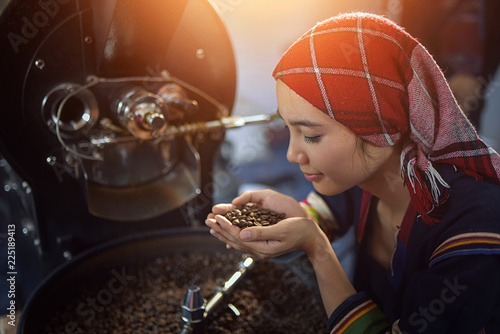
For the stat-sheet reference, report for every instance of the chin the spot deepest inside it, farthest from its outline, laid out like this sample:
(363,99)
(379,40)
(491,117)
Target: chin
(328,190)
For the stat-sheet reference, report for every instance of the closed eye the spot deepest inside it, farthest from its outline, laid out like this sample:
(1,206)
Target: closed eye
(312,140)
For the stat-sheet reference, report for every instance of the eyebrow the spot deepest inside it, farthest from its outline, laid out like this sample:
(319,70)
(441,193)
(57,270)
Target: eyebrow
(302,122)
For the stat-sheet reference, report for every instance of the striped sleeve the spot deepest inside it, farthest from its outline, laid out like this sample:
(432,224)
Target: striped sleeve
(476,243)
(322,214)
(358,314)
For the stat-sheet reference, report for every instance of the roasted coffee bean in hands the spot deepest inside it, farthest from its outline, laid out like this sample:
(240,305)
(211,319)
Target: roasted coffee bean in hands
(251,214)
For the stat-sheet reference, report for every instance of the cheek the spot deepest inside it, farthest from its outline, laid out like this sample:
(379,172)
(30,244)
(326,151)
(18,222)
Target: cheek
(342,162)
(341,152)
(334,161)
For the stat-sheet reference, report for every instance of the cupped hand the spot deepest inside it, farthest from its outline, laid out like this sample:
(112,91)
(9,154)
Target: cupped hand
(273,200)
(288,235)
(266,198)
(220,209)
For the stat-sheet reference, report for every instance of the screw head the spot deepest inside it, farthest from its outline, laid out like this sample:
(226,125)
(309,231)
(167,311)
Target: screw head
(40,64)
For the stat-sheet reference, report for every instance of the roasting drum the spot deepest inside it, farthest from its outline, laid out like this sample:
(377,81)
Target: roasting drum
(64,283)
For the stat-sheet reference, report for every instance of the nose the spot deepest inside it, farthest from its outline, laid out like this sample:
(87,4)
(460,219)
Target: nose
(295,153)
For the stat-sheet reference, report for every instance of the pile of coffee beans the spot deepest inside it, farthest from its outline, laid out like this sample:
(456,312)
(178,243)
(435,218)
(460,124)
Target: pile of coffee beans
(270,299)
(251,214)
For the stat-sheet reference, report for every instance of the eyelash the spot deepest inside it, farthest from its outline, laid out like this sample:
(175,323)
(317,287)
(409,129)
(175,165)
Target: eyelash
(312,140)
(308,140)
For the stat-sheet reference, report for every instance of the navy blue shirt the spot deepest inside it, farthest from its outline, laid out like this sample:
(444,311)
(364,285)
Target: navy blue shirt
(443,278)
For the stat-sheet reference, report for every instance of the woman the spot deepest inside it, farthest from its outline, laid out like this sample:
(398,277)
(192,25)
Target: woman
(375,128)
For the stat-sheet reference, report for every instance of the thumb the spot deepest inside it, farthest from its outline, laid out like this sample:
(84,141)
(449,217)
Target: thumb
(246,235)
(257,234)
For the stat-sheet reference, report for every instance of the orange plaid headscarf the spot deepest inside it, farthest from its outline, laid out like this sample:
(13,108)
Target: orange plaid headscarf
(367,73)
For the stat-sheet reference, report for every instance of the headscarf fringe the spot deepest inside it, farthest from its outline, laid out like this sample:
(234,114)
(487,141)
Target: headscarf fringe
(434,177)
(425,198)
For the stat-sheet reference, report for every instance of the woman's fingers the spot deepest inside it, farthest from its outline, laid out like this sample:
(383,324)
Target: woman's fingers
(224,222)
(221,209)
(222,228)
(245,197)
(253,196)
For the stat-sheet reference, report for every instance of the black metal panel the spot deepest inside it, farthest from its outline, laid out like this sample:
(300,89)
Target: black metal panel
(46,43)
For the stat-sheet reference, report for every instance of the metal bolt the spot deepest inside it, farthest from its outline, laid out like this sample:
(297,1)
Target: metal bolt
(26,187)
(70,160)
(67,255)
(51,160)
(40,64)
(88,40)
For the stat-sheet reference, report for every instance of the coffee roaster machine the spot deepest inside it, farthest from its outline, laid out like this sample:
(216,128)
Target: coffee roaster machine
(112,114)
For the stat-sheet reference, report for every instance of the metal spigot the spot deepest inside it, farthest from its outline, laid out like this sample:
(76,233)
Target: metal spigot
(193,310)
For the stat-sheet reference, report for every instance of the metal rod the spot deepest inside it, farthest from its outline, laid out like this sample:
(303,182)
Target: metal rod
(199,127)
(223,292)
(239,121)
(194,322)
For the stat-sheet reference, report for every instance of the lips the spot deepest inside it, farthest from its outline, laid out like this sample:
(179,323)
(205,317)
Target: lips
(313,177)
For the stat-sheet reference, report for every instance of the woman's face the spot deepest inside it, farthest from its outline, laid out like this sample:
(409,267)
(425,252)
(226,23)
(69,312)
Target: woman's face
(328,153)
